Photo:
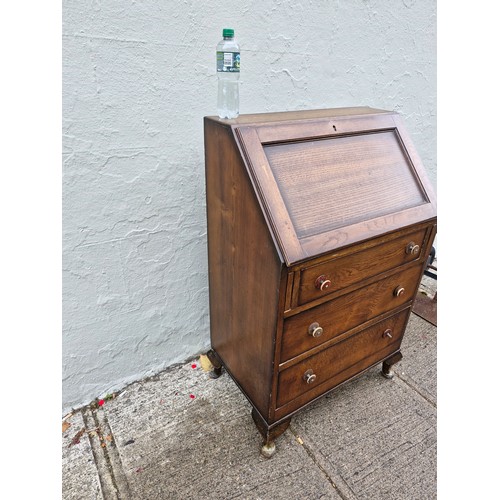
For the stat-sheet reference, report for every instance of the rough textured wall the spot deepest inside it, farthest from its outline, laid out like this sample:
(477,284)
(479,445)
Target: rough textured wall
(138,77)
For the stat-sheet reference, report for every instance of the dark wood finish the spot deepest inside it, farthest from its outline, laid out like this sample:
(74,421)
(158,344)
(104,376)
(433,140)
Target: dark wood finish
(216,363)
(278,216)
(313,220)
(319,227)
(244,270)
(358,266)
(288,117)
(269,433)
(387,364)
(341,356)
(346,312)
(321,198)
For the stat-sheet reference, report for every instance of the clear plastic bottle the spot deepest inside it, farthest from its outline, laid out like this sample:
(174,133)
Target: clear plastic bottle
(228,74)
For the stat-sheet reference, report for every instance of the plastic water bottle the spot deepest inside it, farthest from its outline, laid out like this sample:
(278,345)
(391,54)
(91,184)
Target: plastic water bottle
(228,73)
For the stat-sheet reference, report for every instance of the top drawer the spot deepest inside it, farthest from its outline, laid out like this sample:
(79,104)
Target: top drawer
(330,276)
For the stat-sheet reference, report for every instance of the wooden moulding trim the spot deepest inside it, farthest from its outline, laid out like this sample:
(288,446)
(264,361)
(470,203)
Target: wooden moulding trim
(289,289)
(321,243)
(270,195)
(278,337)
(258,195)
(343,336)
(296,288)
(323,128)
(412,154)
(279,117)
(361,246)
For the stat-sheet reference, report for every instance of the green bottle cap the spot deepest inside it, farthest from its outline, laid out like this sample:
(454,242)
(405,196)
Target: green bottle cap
(227,32)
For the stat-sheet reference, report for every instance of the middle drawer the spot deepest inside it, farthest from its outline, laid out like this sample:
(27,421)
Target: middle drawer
(315,326)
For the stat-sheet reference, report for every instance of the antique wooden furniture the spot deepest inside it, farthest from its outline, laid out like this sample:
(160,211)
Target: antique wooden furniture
(319,227)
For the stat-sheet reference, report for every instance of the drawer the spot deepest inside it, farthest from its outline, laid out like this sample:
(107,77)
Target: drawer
(300,332)
(333,275)
(327,368)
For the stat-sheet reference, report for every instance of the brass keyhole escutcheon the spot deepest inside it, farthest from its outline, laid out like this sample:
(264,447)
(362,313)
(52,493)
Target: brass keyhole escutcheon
(315,330)
(322,283)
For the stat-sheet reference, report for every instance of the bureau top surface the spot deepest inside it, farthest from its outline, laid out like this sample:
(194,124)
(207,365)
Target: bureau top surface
(330,178)
(310,114)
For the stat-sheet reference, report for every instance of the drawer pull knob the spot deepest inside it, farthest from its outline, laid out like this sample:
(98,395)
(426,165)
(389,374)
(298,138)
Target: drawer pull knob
(399,291)
(412,248)
(309,377)
(322,283)
(388,333)
(315,330)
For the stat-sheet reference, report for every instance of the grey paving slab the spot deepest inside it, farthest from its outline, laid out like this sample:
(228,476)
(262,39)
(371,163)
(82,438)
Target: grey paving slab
(419,364)
(80,478)
(376,439)
(172,445)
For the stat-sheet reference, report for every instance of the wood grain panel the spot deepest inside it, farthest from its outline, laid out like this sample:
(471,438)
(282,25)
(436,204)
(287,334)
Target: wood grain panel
(359,265)
(332,183)
(322,128)
(244,270)
(333,361)
(346,312)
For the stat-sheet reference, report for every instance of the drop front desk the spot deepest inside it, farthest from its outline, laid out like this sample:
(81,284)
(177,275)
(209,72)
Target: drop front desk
(320,224)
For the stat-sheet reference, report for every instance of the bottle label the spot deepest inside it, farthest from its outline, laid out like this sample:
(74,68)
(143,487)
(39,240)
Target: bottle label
(228,62)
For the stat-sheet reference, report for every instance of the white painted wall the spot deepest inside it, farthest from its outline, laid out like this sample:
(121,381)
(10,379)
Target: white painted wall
(138,77)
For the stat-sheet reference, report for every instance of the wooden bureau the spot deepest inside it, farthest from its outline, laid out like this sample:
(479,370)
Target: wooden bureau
(320,224)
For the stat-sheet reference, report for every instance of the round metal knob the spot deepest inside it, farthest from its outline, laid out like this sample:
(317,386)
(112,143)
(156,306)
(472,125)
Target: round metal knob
(412,248)
(388,333)
(399,291)
(315,330)
(309,377)
(322,283)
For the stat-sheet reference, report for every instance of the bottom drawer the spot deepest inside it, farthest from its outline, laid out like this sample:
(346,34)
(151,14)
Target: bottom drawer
(323,371)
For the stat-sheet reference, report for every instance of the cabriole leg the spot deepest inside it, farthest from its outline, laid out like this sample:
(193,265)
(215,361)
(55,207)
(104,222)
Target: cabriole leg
(270,434)
(214,359)
(387,370)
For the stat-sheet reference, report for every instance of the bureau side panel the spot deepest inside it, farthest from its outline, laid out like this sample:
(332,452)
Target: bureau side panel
(244,270)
